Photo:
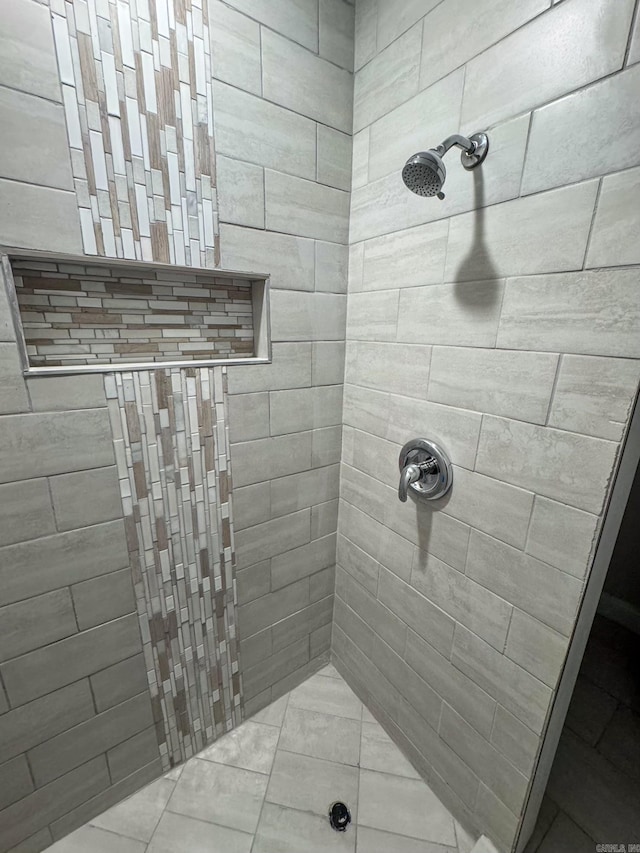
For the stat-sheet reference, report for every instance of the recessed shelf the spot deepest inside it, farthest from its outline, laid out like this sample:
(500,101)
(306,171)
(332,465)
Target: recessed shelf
(84,314)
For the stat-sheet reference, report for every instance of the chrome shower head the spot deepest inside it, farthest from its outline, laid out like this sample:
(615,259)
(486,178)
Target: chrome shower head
(425,173)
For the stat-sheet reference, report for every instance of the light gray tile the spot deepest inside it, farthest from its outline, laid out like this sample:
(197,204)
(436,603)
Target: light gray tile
(460,692)
(289,260)
(513,687)
(536,647)
(251,505)
(377,841)
(365,32)
(30,568)
(235,48)
(14,394)
(93,737)
(603,110)
(134,754)
(556,223)
(388,80)
(7,330)
(396,16)
(260,132)
(273,715)
(263,612)
(379,752)
(373,316)
(46,669)
(491,767)
(358,563)
(578,315)
(98,841)
(15,781)
(69,496)
(332,261)
(500,454)
(41,218)
(387,625)
(561,535)
(283,830)
(508,78)
(224,795)
(540,590)
(321,736)
(334,152)
(594,395)
(266,458)
(310,784)
(278,669)
(290,368)
(302,561)
(240,192)
(248,416)
(138,816)
(306,208)
(380,542)
(26,511)
(102,599)
(401,133)
(116,683)
(333,697)
(617,222)
(305,408)
(33,141)
(299,625)
(252,746)
(60,393)
(35,445)
(386,801)
(336,21)
(297,491)
(490,812)
(401,368)
(326,446)
(468,314)
(305,83)
(305,316)
(298,21)
(327,362)
(366,410)
(634,48)
(490,505)
(466,601)
(45,718)
(514,740)
(410,258)
(273,537)
(493,381)
(36,622)
(360,158)
(29,66)
(176,832)
(455,32)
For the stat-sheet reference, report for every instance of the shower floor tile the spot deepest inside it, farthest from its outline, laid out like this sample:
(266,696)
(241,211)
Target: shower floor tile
(267,786)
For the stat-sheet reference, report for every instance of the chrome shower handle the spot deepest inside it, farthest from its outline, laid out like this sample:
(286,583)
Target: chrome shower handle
(425,470)
(412,473)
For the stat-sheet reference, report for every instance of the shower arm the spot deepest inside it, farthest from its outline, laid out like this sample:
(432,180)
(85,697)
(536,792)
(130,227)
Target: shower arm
(462,142)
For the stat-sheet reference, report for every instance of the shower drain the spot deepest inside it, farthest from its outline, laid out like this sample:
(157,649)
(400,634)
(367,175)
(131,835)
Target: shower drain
(339,817)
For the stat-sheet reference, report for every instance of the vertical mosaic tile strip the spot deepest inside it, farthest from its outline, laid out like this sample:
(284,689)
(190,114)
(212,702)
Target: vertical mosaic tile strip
(136,86)
(172,452)
(89,314)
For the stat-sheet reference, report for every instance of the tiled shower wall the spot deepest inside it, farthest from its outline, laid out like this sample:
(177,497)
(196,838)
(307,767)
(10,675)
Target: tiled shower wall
(504,322)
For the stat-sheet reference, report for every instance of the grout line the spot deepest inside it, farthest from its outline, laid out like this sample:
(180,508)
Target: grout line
(635,21)
(594,214)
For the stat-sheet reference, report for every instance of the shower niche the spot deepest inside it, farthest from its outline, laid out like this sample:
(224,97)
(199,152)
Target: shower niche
(81,314)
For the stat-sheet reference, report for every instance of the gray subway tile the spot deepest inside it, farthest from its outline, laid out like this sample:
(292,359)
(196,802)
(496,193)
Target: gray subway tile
(336,31)
(305,408)
(61,393)
(298,22)
(334,156)
(332,262)
(79,744)
(326,445)
(276,667)
(324,519)
(240,189)
(119,682)
(253,582)
(413,257)
(365,32)
(536,647)
(290,368)
(274,537)
(306,208)
(256,648)
(561,536)
(36,217)
(257,131)
(235,48)
(39,672)
(322,583)
(14,393)
(306,316)
(556,223)
(26,510)
(69,496)
(49,803)
(617,222)
(288,259)
(302,623)
(36,622)
(35,445)
(300,562)
(248,416)
(523,454)
(263,612)
(380,542)
(514,740)
(597,111)
(266,458)
(31,568)
(45,718)
(373,316)
(320,640)
(327,361)
(29,65)
(386,624)
(581,41)
(251,505)
(358,563)
(559,313)
(493,381)
(399,368)
(15,781)
(104,598)
(297,491)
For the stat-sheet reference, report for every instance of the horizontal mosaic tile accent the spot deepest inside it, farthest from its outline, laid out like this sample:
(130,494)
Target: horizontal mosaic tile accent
(137,95)
(172,451)
(84,314)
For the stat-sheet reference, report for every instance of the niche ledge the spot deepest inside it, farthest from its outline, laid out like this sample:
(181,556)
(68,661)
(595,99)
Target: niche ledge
(86,314)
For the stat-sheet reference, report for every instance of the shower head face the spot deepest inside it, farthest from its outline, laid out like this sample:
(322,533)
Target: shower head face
(424,173)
